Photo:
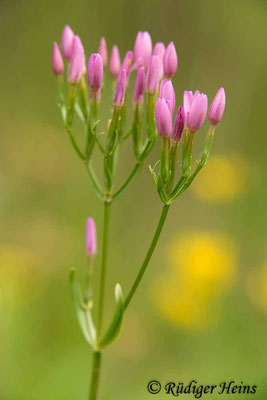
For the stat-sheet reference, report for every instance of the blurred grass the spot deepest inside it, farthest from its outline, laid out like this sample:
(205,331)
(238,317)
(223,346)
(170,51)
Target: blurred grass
(46,197)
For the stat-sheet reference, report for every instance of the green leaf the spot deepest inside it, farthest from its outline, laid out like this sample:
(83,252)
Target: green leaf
(83,314)
(115,325)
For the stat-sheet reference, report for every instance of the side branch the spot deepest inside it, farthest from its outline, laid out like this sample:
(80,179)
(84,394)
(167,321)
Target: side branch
(149,255)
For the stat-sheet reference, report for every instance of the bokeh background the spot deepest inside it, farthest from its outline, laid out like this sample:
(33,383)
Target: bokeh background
(201,310)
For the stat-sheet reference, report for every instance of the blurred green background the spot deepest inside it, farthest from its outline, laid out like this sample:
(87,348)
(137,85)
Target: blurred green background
(201,310)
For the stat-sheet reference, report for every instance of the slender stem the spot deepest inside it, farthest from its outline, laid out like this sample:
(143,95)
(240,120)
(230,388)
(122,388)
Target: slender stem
(95,375)
(191,178)
(107,206)
(132,175)
(74,144)
(149,254)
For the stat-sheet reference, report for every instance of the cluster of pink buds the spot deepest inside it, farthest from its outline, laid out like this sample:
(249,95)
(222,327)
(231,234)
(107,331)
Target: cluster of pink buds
(154,68)
(189,118)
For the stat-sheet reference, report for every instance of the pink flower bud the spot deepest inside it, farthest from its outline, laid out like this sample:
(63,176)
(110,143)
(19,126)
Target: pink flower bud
(90,237)
(66,42)
(178,125)
(143,48)
(103,51)
(163,118)
(115,62)
(159,50)
(167,92)
(170,61)
(57,61)
(195,109)
(217,107)
(139,86)
(75,43)
(188,100)
(95,71)
(119,94)
(152,77)
(76,65)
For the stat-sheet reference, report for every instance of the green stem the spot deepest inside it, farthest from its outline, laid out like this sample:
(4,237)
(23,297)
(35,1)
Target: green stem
(149,254)
(107,207)
(74,144)
(95,375)
(130,178)
(191,178)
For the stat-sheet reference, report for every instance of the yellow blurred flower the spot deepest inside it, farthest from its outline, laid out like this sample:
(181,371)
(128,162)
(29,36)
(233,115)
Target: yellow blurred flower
(222,179)
(19,275)
(202,266)
(257,286)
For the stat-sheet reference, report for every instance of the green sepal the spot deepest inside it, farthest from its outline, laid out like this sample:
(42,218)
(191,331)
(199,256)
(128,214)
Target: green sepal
(83,99)
(187,152)
(71,105)
(172,164)
(83,313)
(150,116)
(113,131)
(123,118)
(93,109)
(165,161)
(136,132)
(115,325)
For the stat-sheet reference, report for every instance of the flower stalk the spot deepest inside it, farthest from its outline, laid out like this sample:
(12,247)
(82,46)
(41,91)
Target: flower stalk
(97,355)
(149,254)
(106,222)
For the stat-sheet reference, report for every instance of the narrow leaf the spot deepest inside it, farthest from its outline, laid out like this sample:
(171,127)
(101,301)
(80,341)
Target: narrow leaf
(115,325)
(83,315)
